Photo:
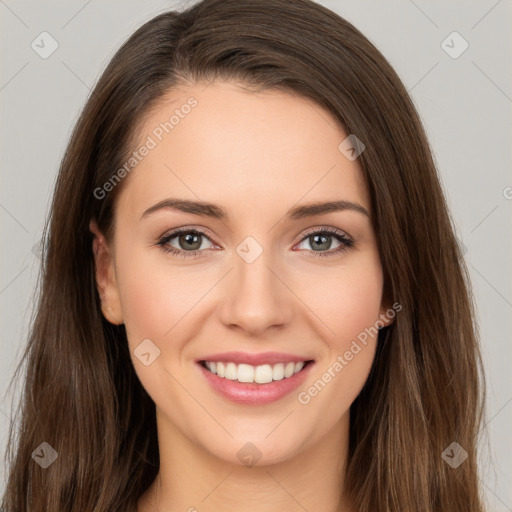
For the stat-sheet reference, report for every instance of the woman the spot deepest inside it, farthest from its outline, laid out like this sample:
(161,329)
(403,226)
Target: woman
(313,347)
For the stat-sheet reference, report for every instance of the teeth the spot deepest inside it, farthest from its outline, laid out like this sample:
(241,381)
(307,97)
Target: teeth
(231,371)
(288,369)
(245,373)
(278,371)
(262,374)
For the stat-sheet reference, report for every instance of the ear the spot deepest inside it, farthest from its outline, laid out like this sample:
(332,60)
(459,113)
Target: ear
(388,311)
(106,277)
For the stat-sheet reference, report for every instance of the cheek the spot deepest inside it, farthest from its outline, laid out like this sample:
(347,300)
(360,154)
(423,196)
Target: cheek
(148,304)
(154,296)
(347,299)
(155,300)
(350,307)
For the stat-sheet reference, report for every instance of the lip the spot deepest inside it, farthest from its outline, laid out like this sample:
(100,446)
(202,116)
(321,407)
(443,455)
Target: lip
(252,393)
(254,359)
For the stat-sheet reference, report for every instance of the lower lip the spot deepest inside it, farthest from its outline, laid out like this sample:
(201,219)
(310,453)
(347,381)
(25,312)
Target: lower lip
(252,393)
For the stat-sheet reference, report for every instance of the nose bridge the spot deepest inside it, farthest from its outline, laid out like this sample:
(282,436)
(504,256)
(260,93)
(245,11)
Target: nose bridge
(258,299)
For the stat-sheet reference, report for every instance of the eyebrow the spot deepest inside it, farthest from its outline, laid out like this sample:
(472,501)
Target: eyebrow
(217,212)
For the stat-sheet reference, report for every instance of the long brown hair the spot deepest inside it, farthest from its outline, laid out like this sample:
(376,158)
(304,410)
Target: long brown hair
(426,387)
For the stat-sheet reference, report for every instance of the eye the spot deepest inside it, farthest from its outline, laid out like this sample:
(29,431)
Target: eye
(322,239)
(190,242)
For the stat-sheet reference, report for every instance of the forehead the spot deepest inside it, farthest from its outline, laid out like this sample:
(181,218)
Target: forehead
(224,143)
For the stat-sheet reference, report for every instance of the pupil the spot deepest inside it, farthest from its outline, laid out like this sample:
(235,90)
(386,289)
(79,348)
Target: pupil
(325,244)
(190,238)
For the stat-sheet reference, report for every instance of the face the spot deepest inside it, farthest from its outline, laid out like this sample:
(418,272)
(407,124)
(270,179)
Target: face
(254,282)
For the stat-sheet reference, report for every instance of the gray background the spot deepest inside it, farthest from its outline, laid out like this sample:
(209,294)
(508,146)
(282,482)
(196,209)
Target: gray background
(465,104)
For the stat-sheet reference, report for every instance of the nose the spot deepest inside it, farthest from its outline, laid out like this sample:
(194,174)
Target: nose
(256,297)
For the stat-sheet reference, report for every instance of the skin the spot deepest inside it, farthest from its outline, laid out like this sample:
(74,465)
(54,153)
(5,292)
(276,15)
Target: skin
(257,155)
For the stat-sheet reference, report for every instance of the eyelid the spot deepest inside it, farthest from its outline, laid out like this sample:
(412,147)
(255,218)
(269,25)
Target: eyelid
(205,231)
(326,229)
(346,241)
(173,233)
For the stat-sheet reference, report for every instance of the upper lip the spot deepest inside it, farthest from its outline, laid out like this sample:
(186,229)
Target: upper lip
(254,359)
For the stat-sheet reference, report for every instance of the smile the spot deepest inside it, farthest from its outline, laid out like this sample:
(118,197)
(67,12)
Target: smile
(262,374)
(269,378)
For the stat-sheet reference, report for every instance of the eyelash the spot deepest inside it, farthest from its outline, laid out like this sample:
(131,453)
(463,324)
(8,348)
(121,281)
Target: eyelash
(345,241)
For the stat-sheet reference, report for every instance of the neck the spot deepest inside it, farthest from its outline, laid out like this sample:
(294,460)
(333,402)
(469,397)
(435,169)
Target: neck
(193,480)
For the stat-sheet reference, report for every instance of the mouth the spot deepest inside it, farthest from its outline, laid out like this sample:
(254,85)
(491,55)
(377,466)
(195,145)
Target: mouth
(254,379)
(260,374)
